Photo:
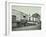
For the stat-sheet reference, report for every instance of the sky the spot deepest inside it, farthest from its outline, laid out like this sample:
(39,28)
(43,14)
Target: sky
(28,9)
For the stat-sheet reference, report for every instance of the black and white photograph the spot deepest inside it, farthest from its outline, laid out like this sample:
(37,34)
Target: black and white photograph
(26,18)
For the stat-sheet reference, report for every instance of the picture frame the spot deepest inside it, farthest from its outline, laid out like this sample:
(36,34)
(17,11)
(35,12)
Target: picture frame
(8,25)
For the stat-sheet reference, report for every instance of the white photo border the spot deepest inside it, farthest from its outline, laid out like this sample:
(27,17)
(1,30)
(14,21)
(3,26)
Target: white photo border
(9,18)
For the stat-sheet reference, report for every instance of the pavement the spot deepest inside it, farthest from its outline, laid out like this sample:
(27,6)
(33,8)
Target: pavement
(34,27)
